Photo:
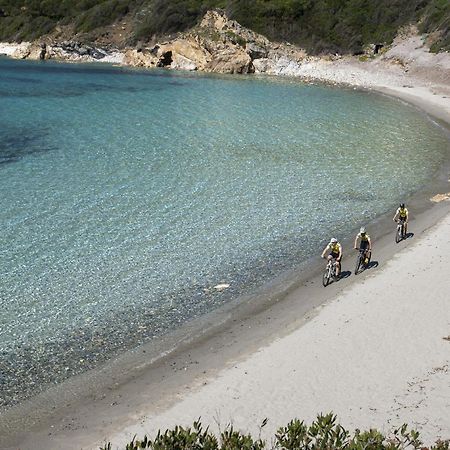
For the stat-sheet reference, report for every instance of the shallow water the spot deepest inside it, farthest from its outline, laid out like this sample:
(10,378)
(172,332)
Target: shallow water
(125,194)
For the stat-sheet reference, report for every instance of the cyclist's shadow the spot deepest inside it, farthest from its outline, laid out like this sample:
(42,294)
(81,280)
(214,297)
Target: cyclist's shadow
(345,274)
(409,235)
(372,265)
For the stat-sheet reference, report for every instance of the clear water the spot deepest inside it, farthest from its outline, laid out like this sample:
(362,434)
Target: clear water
(125,194)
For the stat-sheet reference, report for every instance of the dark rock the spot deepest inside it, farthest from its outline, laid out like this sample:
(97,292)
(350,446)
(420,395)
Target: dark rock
(154,50)
(377,48)
(255,51)
(43,51)
(96,54)
(165,60)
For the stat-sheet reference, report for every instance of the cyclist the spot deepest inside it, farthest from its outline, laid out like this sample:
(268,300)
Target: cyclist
(402,215)
(364,244)
(335,249)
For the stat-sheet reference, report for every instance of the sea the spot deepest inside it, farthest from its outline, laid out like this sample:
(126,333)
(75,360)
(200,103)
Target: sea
(127,195)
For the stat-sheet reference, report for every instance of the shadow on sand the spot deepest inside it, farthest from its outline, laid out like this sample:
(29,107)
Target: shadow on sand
(345,274)
(371,265)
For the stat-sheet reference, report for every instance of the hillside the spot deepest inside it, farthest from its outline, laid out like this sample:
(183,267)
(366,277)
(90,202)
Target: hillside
(320,26)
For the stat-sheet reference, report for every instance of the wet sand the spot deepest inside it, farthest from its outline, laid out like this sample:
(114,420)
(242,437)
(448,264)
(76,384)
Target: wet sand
(369,347)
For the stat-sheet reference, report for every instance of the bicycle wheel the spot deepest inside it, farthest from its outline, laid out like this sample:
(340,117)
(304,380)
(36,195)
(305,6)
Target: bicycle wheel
(358,263)
(398,234)
(326,277)
(335,276)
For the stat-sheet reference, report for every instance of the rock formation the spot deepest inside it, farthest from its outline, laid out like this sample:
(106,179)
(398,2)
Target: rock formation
(217,44)
(220,45)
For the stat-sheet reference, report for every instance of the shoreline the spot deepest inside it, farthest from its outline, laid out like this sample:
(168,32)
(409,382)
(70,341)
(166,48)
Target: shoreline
(293,315)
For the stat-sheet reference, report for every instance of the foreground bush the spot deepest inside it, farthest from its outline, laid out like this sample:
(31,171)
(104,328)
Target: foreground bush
(323,434)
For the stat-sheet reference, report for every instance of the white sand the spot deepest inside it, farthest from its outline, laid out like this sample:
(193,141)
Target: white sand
(376,356)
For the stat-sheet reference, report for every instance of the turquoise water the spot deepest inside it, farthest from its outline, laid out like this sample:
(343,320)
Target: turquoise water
(126,194)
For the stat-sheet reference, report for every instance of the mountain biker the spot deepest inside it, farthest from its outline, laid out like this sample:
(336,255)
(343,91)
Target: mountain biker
(335,249)
(364,244)
(402,215)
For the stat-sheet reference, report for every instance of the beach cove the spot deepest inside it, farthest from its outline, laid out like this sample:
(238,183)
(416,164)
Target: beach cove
(254,356)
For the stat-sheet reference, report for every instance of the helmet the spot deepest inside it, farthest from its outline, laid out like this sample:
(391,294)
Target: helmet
(333,241)
(402,205)
(362,230)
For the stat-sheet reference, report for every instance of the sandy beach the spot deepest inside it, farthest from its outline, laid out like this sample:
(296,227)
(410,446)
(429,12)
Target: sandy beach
(373,348)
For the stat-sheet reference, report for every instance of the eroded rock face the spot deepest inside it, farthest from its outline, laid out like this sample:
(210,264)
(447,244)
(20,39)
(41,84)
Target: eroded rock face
(230,60)
(180,62)
(218,44)
(22,51)
(187,54)
(255,51)
(140,58)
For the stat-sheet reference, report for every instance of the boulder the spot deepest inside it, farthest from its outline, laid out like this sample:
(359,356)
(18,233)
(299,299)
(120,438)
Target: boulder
(28,50)
(139,59)
(255,51)
(94,53)
(180,62)
(185,52)
(230,60)
(263,65)
(22,51)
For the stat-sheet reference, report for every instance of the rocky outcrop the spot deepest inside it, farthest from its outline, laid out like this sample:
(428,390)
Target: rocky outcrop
(181,54)
(217,44)
(230,60)
(78,49)
(27,50)
(64,51)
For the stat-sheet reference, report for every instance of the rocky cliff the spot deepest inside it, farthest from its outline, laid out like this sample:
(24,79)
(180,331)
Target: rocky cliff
(217,44)
(221,45)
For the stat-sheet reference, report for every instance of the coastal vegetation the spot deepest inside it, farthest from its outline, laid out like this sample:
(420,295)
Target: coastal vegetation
(324,433)
(318,25)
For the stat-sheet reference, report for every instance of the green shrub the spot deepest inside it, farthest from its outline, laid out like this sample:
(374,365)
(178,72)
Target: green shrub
(323,434)
(318,25)
(102,14)
(165,17)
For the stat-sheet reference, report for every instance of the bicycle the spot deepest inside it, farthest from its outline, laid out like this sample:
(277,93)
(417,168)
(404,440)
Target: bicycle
(400,233)
(330,272)
(362,260)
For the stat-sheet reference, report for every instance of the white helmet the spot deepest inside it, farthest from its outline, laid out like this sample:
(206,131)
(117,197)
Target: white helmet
(333,241)
(362,230)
